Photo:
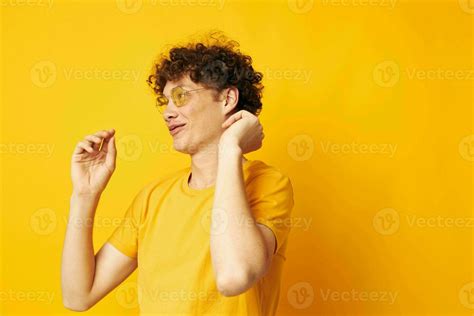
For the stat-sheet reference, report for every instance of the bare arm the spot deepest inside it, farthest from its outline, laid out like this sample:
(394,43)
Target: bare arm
(241,249)
(85,277)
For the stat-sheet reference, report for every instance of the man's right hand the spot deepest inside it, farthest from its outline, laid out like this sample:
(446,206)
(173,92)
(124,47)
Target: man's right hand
(91,169)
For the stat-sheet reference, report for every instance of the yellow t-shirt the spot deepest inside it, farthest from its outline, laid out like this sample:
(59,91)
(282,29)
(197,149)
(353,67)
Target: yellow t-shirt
(167,227)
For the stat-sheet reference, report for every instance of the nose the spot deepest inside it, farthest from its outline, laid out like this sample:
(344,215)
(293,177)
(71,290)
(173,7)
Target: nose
(170,111)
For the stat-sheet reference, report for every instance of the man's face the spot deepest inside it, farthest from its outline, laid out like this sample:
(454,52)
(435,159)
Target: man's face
(202,115)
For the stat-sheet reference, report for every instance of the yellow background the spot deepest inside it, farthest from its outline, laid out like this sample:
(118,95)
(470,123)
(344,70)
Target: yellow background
(345,81)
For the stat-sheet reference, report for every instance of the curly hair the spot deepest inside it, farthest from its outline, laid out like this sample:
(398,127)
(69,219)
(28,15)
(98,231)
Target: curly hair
(215,62)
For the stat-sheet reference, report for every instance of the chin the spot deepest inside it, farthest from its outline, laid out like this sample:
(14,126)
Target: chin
(180,148)
(180,145)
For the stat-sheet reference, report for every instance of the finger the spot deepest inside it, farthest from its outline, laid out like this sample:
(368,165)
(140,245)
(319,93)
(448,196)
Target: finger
(86,146)
(78,150)
(95,145)
(111,153)
(94,141)
(105,133)
(104,136)
(233,118)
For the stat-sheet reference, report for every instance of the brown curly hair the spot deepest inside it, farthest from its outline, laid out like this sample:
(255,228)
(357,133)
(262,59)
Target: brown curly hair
(215,62)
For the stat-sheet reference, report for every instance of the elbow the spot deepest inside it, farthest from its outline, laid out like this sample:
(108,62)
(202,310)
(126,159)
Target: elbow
(233,283)
(76,305)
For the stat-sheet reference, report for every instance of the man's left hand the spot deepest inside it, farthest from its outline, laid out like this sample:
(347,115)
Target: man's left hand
(242,129)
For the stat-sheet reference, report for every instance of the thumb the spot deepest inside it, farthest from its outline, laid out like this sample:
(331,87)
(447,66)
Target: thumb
(111,152)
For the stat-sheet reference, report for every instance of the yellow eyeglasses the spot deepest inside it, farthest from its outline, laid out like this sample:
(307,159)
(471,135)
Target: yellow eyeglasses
(179,95)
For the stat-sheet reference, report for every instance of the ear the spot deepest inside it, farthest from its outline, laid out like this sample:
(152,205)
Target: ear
(230,100)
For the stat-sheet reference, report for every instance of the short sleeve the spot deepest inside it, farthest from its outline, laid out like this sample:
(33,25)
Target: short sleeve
(125,236)
(270,197)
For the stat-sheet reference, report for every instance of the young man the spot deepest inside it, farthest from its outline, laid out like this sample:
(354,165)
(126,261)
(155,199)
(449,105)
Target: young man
(207,239)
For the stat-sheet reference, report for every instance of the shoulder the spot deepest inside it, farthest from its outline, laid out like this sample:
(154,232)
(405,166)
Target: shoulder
(262,177)
(261,171)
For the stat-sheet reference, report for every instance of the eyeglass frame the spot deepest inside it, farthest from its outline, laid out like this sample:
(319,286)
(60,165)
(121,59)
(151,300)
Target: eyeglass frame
(161,105)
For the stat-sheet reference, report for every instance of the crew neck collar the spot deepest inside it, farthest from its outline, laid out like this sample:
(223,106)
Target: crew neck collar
(185,185)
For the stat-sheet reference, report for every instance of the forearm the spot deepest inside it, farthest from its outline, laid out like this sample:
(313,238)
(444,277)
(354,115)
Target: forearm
(78,259)
(237,246)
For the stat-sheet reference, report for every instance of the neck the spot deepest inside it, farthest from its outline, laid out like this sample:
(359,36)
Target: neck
(204,169)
